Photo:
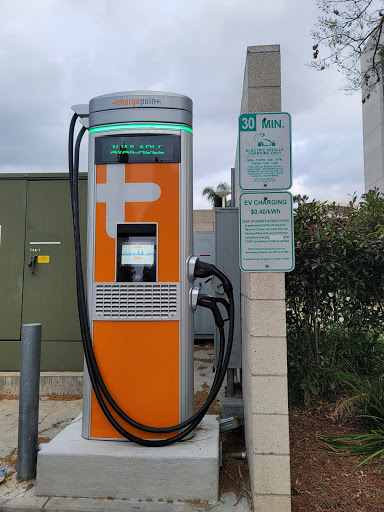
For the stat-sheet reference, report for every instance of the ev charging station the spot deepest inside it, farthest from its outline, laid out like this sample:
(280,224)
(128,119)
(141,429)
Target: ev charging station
(140,236)
(136,310)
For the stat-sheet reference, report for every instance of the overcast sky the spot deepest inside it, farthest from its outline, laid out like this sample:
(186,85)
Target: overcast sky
(54,54)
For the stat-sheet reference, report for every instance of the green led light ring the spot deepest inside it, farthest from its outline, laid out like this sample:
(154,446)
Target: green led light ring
(142,125)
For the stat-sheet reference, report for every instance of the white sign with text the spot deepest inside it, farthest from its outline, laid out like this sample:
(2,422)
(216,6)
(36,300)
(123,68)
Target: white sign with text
(266,232)
(265,151)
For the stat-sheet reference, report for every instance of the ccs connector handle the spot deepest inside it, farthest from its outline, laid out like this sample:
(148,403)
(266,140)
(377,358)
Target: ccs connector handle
(206,301)
(203,269)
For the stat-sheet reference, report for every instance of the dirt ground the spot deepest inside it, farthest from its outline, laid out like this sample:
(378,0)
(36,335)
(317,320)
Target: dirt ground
(323,481)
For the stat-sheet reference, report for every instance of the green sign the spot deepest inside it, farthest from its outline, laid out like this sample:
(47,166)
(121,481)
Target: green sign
(265,151)
(247,122)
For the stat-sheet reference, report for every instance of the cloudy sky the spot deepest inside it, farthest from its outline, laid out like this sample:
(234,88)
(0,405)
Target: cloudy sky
(54,54)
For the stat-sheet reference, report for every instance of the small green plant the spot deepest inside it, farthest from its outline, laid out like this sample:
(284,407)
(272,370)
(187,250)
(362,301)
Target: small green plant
(371,444)
(370,400)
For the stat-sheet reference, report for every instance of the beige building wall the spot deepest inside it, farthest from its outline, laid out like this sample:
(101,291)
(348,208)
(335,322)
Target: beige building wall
(373,131)
(203,220)
(264,347)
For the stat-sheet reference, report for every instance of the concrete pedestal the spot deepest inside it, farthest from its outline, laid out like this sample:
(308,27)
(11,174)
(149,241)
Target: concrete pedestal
(72,466)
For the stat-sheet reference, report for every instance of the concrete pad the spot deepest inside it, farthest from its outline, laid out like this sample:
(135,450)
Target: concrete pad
(29,502)
(26,501)
(72,466)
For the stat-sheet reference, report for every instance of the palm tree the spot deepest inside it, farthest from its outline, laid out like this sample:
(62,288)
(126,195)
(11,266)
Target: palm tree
(213,198)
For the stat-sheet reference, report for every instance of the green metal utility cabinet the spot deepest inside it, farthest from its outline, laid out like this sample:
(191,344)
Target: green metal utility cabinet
(37,270)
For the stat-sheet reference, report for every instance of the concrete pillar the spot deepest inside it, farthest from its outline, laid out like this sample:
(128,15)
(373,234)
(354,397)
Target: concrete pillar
(264,344)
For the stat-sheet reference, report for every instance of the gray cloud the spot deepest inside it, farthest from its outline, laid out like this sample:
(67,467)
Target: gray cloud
(55,54)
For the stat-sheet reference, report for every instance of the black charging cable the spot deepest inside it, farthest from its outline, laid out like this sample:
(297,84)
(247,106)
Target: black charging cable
(101,392)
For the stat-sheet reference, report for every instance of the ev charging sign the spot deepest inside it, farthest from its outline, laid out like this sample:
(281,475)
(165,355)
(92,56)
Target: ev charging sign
(266,232)
(265,151)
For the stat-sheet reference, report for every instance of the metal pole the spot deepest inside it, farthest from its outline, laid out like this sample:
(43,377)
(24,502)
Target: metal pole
(233,187)
(29,401)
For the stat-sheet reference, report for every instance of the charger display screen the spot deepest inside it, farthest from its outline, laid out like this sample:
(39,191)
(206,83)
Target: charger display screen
(137,254)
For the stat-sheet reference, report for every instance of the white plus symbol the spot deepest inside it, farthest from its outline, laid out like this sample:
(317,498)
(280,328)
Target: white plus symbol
(115,193)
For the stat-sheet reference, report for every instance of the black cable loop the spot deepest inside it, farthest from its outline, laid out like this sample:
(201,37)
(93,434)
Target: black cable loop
(98,385)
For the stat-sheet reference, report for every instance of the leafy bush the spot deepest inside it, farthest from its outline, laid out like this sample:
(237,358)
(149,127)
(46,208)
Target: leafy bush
(335,294)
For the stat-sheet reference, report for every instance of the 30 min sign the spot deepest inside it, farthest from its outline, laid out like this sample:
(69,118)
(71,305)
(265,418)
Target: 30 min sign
(265,151)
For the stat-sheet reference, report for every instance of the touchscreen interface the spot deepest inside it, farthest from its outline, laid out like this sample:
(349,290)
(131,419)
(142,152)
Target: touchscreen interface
(137,254)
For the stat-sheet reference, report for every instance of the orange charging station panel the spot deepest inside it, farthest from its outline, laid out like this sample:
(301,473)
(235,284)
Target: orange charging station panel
(139,241)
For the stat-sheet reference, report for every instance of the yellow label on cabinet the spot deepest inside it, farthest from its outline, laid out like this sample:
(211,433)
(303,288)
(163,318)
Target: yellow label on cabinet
(43,259)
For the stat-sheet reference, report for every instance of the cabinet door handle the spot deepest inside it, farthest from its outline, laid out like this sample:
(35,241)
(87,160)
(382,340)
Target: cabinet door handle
(31,263)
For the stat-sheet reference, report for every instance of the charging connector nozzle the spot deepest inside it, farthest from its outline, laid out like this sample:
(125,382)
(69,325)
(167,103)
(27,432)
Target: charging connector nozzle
(204,269)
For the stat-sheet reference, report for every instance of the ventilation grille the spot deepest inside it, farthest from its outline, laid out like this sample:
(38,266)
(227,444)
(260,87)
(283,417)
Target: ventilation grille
(136,301)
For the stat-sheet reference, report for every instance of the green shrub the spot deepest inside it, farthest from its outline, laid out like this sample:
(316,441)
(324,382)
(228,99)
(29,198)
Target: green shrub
(335,295)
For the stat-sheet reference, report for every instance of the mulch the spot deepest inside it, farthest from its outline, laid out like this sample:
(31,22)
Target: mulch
(323,481)
(234,473)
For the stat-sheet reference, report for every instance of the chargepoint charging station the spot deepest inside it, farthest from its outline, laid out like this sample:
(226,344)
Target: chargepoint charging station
(137,305)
